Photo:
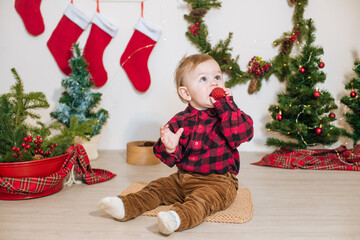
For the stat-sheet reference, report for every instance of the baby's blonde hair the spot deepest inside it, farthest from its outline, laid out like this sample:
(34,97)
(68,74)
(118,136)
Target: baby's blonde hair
(187,64)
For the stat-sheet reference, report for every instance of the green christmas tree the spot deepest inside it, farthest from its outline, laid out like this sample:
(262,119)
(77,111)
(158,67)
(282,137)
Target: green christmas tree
(304,113)
(23,140)
(78,99)
(353,103)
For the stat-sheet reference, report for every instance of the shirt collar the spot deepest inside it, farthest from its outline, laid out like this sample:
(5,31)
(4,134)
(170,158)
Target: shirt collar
(193,111)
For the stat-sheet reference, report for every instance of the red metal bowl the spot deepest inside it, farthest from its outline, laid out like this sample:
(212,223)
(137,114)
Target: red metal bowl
(36,168)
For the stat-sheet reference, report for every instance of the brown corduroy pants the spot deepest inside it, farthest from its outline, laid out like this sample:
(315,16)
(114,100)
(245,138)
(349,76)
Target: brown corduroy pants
(195,196)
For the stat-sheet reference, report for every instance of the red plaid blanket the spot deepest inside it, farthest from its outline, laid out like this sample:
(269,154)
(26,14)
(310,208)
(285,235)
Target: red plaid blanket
(77,157)
(319,159)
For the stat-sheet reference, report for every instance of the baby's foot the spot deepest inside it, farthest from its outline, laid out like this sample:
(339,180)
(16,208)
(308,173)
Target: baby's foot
(168,222)
(113,206)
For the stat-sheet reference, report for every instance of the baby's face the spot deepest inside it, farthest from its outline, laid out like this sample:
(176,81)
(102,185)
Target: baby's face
(201,81)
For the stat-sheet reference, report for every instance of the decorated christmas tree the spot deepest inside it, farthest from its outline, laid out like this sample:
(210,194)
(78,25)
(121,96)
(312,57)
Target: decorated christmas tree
(78,99)
(304,113)
(352,102)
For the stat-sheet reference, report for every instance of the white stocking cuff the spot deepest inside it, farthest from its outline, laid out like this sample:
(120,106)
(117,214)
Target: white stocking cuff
(148,29)
(104,24)
(76,16)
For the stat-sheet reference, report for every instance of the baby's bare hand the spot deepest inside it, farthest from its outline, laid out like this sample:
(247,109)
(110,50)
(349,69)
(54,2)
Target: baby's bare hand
(170,139)
(228,92)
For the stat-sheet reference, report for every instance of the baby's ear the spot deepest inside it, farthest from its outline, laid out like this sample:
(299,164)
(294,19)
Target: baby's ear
(184,93)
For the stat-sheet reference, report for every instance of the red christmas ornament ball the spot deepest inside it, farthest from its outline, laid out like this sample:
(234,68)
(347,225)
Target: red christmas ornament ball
(321,65)
(353,94)
(279,117)
(317,94)
(332,115)
(218,93)
(302,70)
(318,130)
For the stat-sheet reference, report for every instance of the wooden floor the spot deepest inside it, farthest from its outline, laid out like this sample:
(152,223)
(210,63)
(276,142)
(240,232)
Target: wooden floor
(289,204)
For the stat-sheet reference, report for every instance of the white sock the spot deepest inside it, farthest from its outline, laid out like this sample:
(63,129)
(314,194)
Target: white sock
(168,222)
(113,206)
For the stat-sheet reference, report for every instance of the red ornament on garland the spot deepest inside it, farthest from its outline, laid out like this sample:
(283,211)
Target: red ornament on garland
(317,94)
(279,117)
(302,70)
(318,131)
(321,65)
(294,36)
(353,94)
(194,29)
(332,115)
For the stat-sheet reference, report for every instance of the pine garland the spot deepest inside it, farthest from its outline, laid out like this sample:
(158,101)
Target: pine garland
(279,65)
(221,52)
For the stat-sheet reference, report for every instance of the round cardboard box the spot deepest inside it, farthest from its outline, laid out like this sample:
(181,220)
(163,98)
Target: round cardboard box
(141,153)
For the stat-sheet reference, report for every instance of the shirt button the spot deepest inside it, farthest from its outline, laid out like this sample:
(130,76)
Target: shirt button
(200,126)
(196,143)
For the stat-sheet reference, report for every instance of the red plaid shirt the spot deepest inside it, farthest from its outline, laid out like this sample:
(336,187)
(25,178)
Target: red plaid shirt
(210,138)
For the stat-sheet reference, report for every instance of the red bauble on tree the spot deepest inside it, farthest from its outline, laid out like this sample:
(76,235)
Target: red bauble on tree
(302,70)
(318,130)
(332,114)
(279,117)
(353,94)
(321,65)
(317,94)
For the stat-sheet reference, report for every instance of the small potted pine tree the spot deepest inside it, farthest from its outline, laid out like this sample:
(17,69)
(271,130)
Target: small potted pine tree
(79,100)
(28,149)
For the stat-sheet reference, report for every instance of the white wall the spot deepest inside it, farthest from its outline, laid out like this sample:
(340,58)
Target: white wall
(138,116)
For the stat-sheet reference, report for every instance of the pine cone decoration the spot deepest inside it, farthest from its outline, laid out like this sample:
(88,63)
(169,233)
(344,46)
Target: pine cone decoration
(37,157)
(198,13)
(285,46)
(253,85)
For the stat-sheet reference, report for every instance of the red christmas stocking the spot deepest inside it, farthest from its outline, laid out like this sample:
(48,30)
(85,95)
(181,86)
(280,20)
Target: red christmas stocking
(68,30)
(30,13)
(135,57)
(100,36)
